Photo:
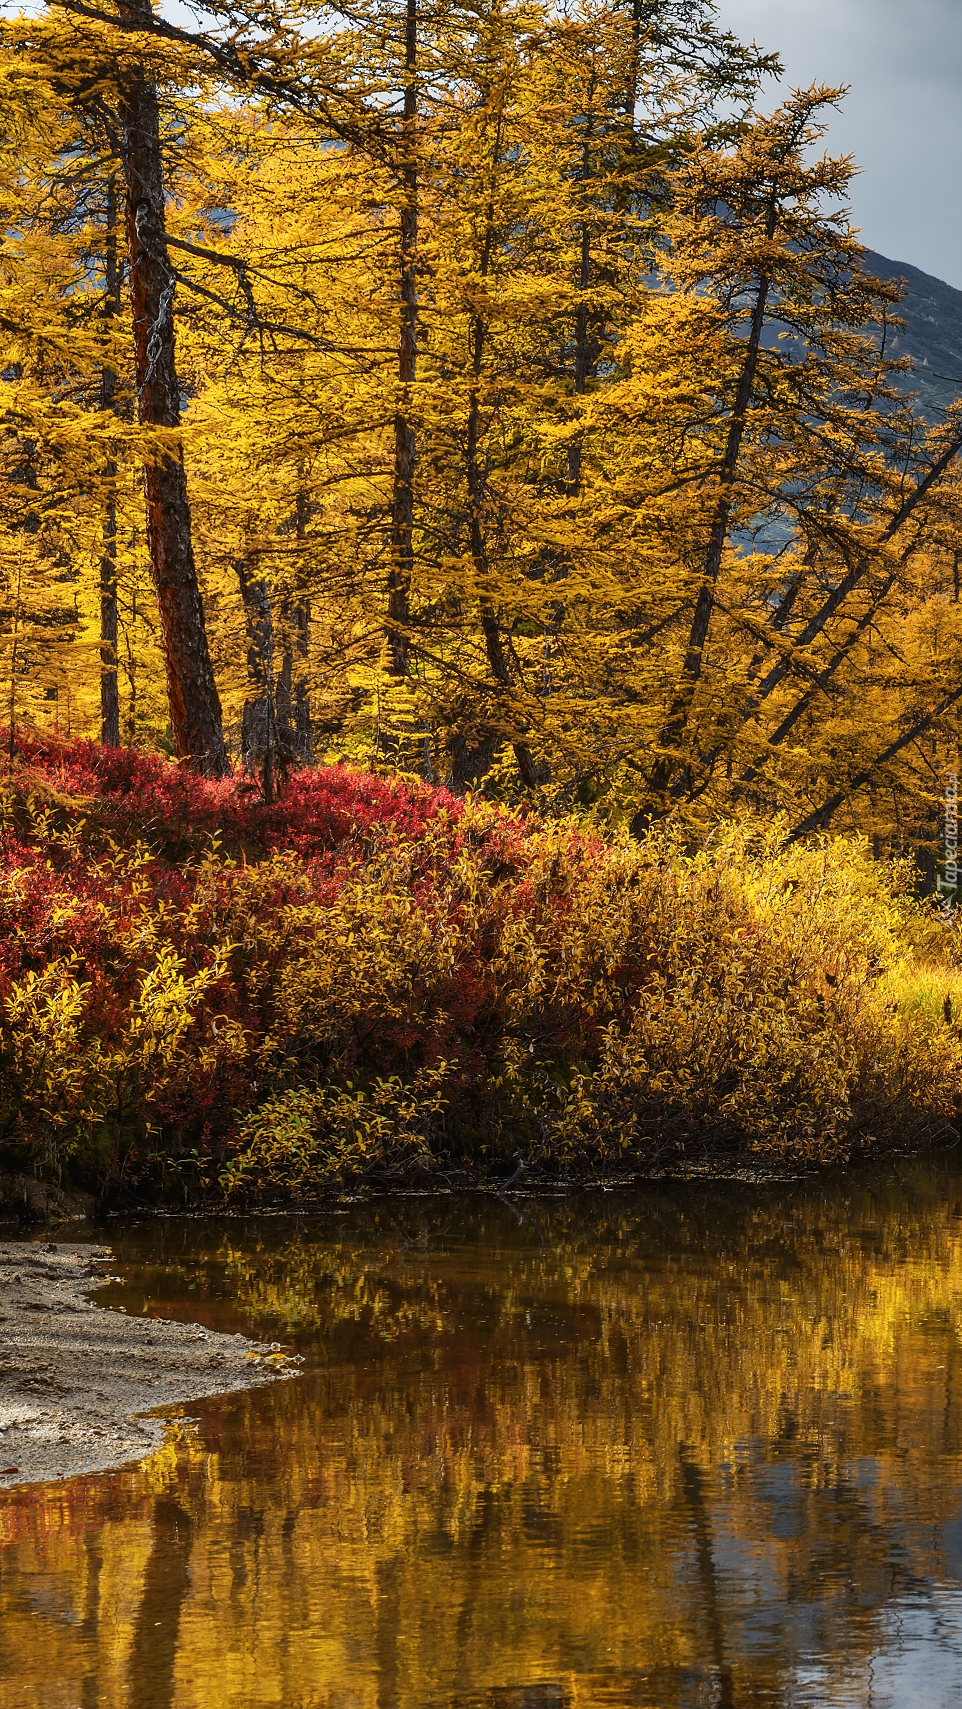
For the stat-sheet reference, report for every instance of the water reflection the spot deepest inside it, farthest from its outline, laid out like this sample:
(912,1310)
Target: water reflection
(683,1448)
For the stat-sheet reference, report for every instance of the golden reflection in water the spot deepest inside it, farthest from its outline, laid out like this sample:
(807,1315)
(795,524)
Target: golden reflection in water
(680,1448)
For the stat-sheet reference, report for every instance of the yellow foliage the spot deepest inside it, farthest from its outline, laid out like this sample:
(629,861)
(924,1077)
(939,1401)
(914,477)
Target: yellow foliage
(303,1139)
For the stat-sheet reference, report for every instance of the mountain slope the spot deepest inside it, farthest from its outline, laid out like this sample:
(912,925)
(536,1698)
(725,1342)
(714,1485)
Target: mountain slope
(932,336)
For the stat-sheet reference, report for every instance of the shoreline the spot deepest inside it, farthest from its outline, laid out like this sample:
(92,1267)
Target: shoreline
(52,1210)
(79,1384)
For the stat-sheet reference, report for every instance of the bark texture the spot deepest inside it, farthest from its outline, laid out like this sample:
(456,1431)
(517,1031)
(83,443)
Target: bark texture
(109,693)
(195,713)
(260,715)
(405,447)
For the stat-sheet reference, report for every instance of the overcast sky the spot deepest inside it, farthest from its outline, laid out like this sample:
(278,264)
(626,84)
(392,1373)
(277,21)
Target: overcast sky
(902,117)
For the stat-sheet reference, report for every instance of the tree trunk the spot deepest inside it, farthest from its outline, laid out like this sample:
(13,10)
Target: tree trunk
(109,693)
(490,627)
(405,448)
(259,726)
(130,671)
(283,688)
(300,619)
(292,702)
(583,353)
(301,698)
(195,713)
(490,624)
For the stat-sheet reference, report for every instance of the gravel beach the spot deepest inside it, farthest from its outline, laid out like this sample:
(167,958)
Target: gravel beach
(76,1381)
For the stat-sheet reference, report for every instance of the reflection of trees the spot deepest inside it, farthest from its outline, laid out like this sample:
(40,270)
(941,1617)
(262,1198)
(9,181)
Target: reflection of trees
(90,1689)
(660,1444)
(693,1482)
(387,1632)
(154,1648)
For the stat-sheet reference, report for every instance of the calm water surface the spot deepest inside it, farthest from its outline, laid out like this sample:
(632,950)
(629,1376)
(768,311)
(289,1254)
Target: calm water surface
(674,1448)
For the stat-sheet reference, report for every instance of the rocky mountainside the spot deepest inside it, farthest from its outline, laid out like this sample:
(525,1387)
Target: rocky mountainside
(932,336)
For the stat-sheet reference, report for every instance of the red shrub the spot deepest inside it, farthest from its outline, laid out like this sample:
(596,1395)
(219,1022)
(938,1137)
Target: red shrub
(331,809)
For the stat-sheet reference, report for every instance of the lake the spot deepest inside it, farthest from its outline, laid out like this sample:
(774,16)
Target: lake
(682,1447)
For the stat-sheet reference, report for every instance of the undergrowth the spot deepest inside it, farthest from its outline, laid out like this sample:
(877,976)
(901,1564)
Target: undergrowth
(372,978)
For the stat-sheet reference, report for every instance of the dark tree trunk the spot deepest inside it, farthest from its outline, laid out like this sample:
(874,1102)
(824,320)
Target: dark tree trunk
(292,701)
(130,671)
(283,688)
(260,713)
(405,447)
(195,713)
(109,693)
(299,620)
(583,351)
(471,760)
(490,626)
(301,690)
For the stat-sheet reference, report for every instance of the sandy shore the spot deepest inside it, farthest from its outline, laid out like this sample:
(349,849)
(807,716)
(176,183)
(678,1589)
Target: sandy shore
(75,1380)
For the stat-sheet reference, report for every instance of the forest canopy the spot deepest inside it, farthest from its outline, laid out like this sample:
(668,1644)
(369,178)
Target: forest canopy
(494,392)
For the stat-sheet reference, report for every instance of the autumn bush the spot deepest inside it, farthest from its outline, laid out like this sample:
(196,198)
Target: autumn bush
(370,977)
